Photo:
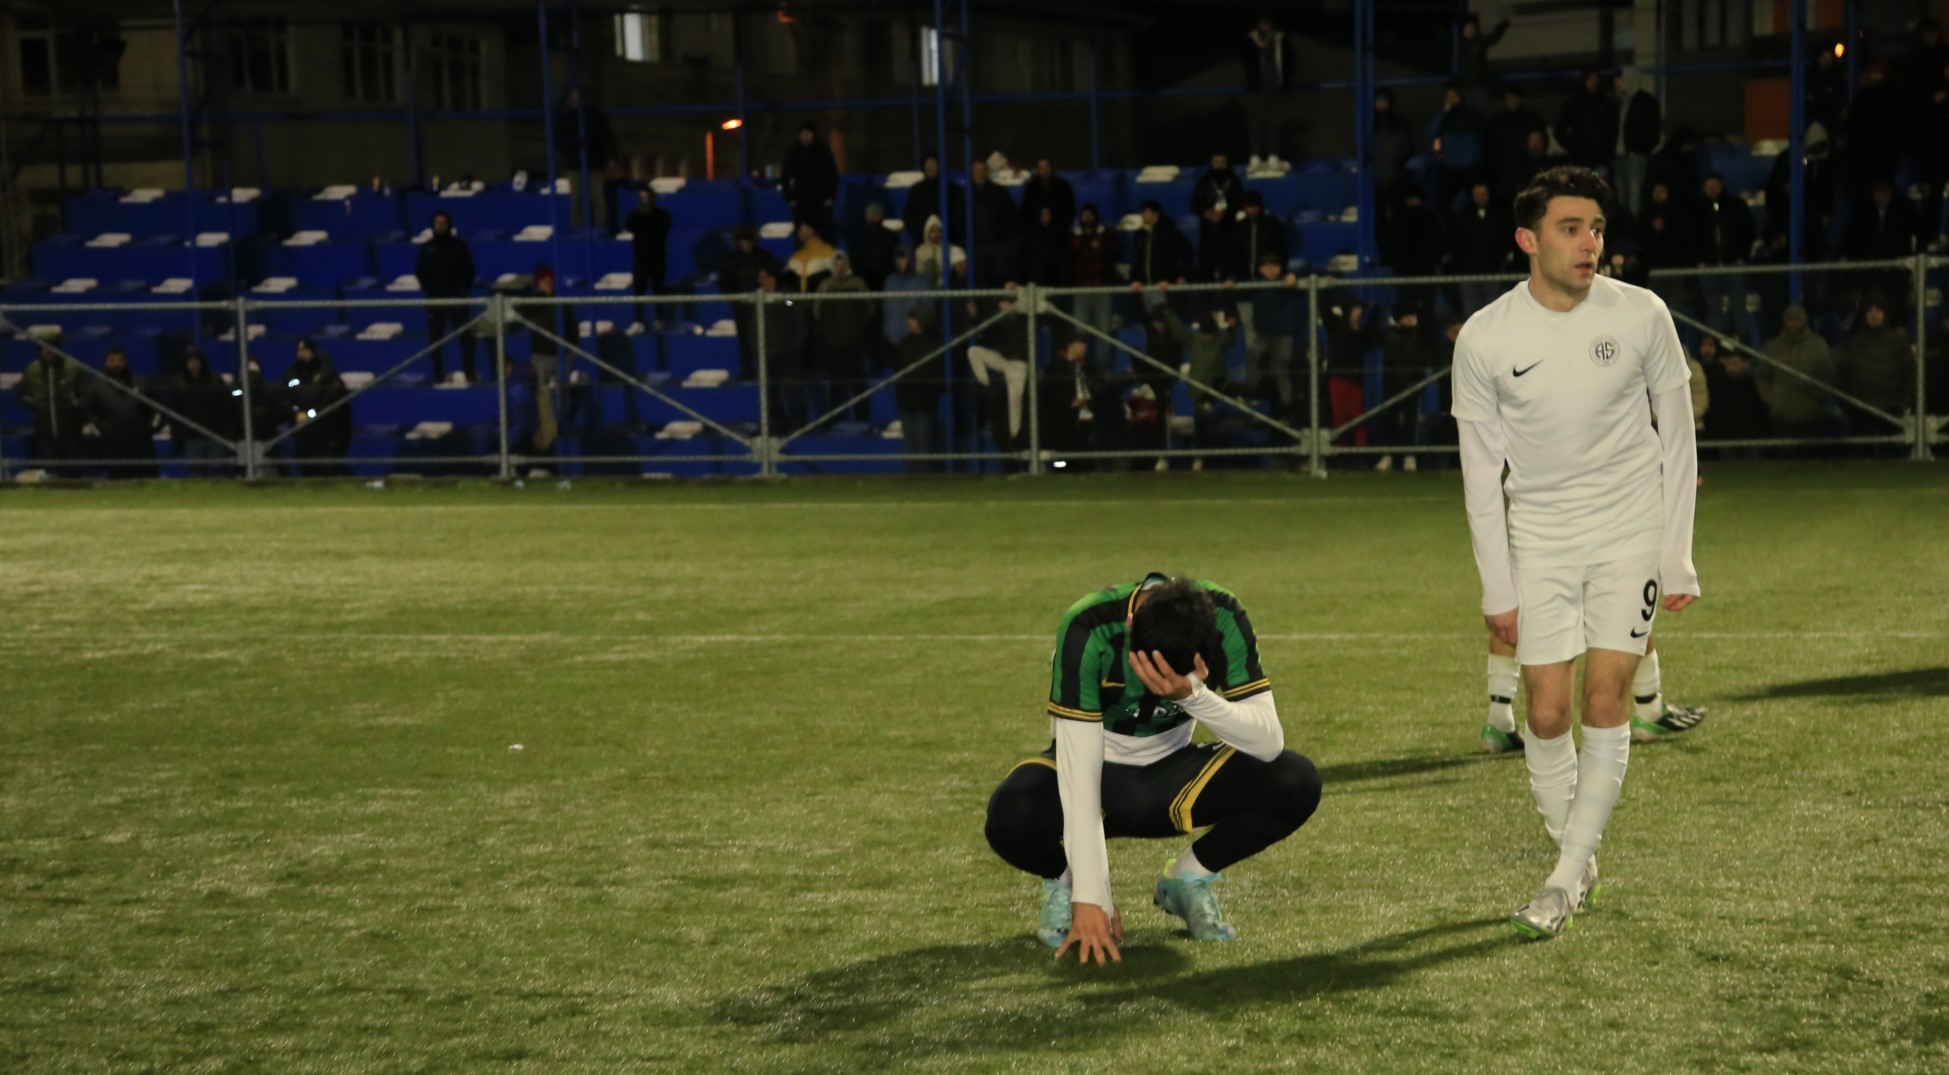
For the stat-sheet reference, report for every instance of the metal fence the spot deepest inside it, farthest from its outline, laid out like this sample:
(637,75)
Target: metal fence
(1314,373)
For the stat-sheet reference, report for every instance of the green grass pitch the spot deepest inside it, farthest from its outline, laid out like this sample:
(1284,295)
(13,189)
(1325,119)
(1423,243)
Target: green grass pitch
(260,810)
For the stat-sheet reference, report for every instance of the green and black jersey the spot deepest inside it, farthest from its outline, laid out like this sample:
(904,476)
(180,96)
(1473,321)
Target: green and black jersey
(1090,677)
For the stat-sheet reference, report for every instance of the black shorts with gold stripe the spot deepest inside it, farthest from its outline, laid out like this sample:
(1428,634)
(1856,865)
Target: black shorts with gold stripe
(1159,799)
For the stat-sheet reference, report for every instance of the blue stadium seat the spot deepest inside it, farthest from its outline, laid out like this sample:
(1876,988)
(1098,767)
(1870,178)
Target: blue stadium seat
(66,257)
(705,205)
(324,265)
(298,322)
(498,209)
(685,353)
(353,219)
(765,205)
(100,211)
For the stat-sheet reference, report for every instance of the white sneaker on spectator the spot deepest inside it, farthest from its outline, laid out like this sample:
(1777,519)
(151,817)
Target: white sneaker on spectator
(636,328)
(1197,464)
(1162,464)
(1386,464)
(1255,161)
(1408,464)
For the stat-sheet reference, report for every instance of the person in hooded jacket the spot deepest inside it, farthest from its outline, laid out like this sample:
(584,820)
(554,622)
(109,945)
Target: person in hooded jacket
(924,203)
(122,413)
(53,388)
(199,395)
(1880,370)
(323,432)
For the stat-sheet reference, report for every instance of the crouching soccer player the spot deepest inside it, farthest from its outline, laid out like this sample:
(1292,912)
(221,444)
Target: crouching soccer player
(1122,762)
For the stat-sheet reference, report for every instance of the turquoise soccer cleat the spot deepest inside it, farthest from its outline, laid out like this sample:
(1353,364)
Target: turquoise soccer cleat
(1191,899)
(1676,719)
(1494,740)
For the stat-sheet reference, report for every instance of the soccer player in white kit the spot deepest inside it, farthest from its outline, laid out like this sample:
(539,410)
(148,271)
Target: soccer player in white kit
(1551,380)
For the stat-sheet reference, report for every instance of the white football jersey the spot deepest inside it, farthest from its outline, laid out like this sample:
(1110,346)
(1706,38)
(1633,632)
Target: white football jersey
(1569,391)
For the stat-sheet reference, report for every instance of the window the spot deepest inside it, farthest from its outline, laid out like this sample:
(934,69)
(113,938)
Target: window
(930,56)
(456,71)
(66,61)
(370,60)
(260,56)
(639,36)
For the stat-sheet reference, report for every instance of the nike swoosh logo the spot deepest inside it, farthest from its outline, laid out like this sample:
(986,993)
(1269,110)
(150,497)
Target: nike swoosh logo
(1529,367)
(1641,634)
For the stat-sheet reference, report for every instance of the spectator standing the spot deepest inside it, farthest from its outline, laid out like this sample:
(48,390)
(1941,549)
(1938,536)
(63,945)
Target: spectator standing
(873,250)
(1537,159)
(1207,343)
(896,310)
(54,388)
(844,329)
(649,248)
(1047,190)
(1217,195)
(1269,68)
(1407,356)
(811,263)
(785,337)
(917,396)
(1151,400)
(446,271)
(1251,237)
(1587,126)
(934,252)
(1093,250)
(1082,410)
(199,395)
(1509,136)
(1472,74)
(1045,250)
(1454,138)
(544,354)
(809,180)
(1393,142)
(1738,412)
(1415,239)
(1799,409)
(124,417)
(1643,127)
(1350,334)
(1726,239)
(1484,243)
(1883,227)
(1880,367)
(924,202)
(1159,253)
(1278,317)
(322,434)
(739,276)
(991,228)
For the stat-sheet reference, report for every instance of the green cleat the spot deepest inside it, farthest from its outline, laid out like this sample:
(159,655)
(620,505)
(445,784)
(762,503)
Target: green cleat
(1496,741)
(1191,899)
(1674,720)
(1545,916)
(1053,925)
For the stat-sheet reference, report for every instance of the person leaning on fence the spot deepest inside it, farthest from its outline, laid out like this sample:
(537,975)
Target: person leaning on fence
(199,395)
(739,275)
(1799,409)
(542,321)
(123,417)
(1206,344)
(1880,370)
(531,419)
(785,334)
(322,433)
(649,242)
(843,329)
(1000,363)
(1152,400)
(1278,316)
(1082,408)
(1350,334)
(53,389)
(1406,357)
(445,270)
(1738,412)
(917,395)
(1093,252)
(1251,236)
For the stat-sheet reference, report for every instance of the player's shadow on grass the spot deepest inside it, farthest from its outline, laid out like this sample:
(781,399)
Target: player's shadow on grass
(1353,772)
(948,1000)
(1912,683)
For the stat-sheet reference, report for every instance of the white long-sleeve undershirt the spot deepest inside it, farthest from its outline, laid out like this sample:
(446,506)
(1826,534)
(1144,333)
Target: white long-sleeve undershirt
(1251,726)
(1484,451)
(1677,439)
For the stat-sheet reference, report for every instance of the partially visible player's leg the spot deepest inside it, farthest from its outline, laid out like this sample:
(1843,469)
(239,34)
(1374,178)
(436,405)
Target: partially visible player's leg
(1025,828)
(1654,718)
(1499,735)
(1247,805)
(1550,635)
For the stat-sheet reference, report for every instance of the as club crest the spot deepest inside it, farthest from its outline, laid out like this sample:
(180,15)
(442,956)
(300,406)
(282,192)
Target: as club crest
(1605,350)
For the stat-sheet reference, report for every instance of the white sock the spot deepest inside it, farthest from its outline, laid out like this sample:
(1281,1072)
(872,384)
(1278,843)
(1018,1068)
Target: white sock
(1503,678)
(1188,865)
(1552,779)
(1600,777)
(1067,878)
(1646,691)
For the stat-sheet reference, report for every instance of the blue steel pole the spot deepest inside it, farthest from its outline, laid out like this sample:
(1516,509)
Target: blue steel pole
(744,128)
(939,40)
(1363,129)
(414,153)
(554,204)
(964,74)
(189,138)
(582,149)
(1797,147)
(1096,99)
(1853,55)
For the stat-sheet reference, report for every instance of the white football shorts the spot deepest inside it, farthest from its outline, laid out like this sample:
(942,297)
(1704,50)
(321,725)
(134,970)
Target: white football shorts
(1567,610)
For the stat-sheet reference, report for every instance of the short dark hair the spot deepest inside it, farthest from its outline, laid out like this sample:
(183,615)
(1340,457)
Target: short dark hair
(1270,258)
(1567,181)
(117,350)
(1176,620)
(1151,204)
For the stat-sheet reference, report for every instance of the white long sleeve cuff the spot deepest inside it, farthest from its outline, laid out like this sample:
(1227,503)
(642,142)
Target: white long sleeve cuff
(1484,451)
(1680,474)
(1251,725)
(1079,777)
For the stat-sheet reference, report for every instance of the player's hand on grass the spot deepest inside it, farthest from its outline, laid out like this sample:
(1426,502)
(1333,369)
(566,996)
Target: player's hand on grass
(1093,934)
(1162,680)
(1679,602)
(1503,626)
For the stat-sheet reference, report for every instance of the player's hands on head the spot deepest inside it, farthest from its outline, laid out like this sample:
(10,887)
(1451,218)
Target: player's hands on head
(1160,679)
(1679,602)
(1093,934)
(1503,626)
